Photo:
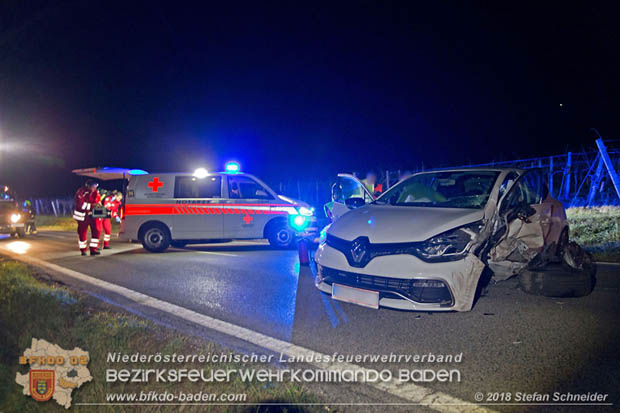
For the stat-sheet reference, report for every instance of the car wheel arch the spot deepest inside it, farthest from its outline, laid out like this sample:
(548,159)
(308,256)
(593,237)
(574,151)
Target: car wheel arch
(151,223)
(272,224)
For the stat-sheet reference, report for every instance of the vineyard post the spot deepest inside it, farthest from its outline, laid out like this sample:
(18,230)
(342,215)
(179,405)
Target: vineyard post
(567,173)
(551,175)
(595,181)
(609,165)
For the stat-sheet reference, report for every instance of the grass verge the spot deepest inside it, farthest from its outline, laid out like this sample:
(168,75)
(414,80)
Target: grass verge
(32,308)
(52,223)
(597,230)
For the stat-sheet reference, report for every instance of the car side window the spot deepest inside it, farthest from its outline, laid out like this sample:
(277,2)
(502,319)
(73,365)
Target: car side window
(507,183)
(533,188)
(192,187)
(529,189)
(242,187)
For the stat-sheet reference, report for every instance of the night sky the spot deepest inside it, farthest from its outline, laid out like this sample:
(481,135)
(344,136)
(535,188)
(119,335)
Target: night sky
(298,89)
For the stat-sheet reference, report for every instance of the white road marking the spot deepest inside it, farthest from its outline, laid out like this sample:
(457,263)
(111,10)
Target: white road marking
(414,393)
(608,263)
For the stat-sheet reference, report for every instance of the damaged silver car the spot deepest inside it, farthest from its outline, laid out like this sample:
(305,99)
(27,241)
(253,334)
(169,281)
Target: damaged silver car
(426,242)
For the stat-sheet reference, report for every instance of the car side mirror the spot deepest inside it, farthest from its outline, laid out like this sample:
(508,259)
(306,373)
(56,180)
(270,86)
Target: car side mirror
(354,202)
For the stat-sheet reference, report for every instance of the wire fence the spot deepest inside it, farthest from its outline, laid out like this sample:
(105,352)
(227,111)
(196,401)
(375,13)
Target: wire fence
(575,178)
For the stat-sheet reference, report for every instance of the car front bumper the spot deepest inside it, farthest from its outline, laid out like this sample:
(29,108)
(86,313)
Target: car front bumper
(10,228)
(403,280)
(311,232)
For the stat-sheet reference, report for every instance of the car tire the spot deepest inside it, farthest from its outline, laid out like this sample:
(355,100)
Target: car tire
(178,244)
(562,243)
(559,280)
(281,237)
(155,237)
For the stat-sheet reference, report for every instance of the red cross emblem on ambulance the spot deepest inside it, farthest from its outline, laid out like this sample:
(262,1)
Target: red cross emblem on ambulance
(155,184)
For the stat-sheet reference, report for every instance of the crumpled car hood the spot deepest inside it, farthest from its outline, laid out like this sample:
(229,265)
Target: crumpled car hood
(389,224)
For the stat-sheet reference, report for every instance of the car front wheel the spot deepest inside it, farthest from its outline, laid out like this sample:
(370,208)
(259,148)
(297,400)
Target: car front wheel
(282,237)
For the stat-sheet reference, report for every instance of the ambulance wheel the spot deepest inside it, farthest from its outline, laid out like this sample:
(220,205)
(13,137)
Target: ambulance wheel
(281,237)
(21,232)
(155,237)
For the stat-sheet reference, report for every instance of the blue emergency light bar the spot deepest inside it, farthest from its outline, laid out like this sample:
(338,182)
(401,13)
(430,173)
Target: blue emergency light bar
(137,172)
(232,167)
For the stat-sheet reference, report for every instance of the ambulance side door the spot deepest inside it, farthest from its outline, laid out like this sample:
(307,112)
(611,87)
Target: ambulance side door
(248,208)
(195,218)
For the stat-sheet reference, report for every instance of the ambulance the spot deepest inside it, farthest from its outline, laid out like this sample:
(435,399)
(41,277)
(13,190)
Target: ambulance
(176,209)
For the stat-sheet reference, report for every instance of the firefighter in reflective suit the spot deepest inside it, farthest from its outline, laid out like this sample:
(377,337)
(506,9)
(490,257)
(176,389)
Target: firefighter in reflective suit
(86,198)
(112,203)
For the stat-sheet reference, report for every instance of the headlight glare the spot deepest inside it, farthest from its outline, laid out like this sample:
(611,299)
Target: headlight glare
(15,218)
(323,235)
(298,222)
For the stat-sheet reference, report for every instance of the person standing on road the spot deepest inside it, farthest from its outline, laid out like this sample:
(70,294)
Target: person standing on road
(112,203)
(86,198)
(371,184)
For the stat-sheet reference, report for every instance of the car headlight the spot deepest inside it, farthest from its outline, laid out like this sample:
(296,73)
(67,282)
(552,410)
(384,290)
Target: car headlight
(323,235)
(449,246)
(298,222)
(307,212)
(15,218)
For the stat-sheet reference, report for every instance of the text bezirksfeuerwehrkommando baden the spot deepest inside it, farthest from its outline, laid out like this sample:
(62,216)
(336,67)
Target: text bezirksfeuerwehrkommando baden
(345,372)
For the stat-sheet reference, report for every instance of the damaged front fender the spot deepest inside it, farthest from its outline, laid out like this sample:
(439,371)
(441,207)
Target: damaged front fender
(464,283)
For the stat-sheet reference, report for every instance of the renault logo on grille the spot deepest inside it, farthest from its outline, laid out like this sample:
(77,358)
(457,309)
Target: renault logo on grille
(359,250)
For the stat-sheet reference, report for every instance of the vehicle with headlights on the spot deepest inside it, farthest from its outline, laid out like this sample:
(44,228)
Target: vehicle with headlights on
(163,209)
(14,220)
(425,243)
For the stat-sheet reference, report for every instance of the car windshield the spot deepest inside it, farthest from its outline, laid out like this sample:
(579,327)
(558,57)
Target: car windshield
(454,189)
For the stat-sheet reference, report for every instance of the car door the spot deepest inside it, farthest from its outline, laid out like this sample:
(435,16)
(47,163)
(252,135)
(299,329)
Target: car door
(537,195)
(197,216)
(247,204)
(347,186)
(528,221)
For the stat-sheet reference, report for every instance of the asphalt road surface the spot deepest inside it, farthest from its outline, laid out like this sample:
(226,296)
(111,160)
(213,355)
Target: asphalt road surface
(511,342)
